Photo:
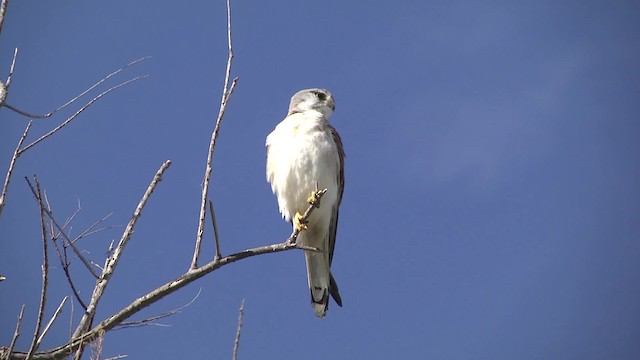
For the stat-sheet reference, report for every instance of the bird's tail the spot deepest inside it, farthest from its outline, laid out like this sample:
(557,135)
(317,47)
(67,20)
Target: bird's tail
(321,283)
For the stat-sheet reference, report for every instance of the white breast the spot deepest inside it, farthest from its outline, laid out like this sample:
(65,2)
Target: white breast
(301,154)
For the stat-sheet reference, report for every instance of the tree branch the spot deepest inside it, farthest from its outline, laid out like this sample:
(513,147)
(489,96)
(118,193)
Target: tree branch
(226,95)
(112,262)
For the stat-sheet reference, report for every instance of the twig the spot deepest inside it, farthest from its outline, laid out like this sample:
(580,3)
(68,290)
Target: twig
(16,333)
(112,262)
(53,318)
(49,213)
(215,231)
(150,321)
(72,117)
(65,267)
(12,164)
(236,343)
(45,270)
(226,95)
(11,69)
(49,114)
(3,10)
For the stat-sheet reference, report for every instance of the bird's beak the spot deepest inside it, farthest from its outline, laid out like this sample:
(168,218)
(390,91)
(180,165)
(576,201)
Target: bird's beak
(332,104)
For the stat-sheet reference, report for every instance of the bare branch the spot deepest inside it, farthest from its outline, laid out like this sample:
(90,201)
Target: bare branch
(49,114)
(72,117)
(45,269)
(215,231)
(226,95)
(53,318)
(155,295)
(112,262)
(12,164)
(236,343)
(16,333)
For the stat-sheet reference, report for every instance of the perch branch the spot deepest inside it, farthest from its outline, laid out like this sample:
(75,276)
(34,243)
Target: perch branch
(142,302)
(112,262)
(226,95)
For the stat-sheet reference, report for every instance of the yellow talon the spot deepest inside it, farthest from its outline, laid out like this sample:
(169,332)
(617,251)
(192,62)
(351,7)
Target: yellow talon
(299,223)
(312,198)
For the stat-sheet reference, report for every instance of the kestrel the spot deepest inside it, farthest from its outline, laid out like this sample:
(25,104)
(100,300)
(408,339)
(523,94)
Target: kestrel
(305,154)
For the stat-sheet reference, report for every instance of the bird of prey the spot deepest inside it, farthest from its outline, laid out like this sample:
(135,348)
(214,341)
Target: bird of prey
(305,154)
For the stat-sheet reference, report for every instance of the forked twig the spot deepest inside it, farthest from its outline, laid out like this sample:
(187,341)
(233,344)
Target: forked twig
(72,117)
(226,95)
(49,114)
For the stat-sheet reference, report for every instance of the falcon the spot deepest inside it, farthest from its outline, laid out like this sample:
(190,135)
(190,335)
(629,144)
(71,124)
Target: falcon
(304,155)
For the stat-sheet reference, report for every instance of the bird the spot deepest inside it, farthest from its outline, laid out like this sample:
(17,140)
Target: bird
(305,154)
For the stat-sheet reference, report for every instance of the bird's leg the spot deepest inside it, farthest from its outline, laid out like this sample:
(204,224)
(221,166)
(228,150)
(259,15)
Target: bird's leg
(300,222)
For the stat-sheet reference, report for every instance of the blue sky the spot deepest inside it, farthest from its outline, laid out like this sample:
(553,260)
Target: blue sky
(491,203)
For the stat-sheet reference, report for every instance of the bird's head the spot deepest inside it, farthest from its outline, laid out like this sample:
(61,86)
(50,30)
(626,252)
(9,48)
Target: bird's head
(312,99)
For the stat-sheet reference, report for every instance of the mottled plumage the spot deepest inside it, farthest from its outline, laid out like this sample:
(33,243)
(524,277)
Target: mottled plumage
(304,153)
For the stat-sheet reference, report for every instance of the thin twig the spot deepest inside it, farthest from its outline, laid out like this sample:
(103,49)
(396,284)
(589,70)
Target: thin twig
(112,262)
(236,343)
(151,320)
(72,117)
(65,267)
(11,69)
(12,164)
(16,333)
(49,114)
(226,95)
(215,231)
(49,213)
(53,318)
(45,269)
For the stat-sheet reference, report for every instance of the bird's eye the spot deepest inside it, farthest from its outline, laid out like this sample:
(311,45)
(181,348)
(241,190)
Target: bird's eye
(321,96)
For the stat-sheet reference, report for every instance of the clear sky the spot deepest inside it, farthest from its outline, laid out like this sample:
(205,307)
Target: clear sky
(492,196)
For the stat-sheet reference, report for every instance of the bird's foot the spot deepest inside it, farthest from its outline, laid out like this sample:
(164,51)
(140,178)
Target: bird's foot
(314,198)
(299,222)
